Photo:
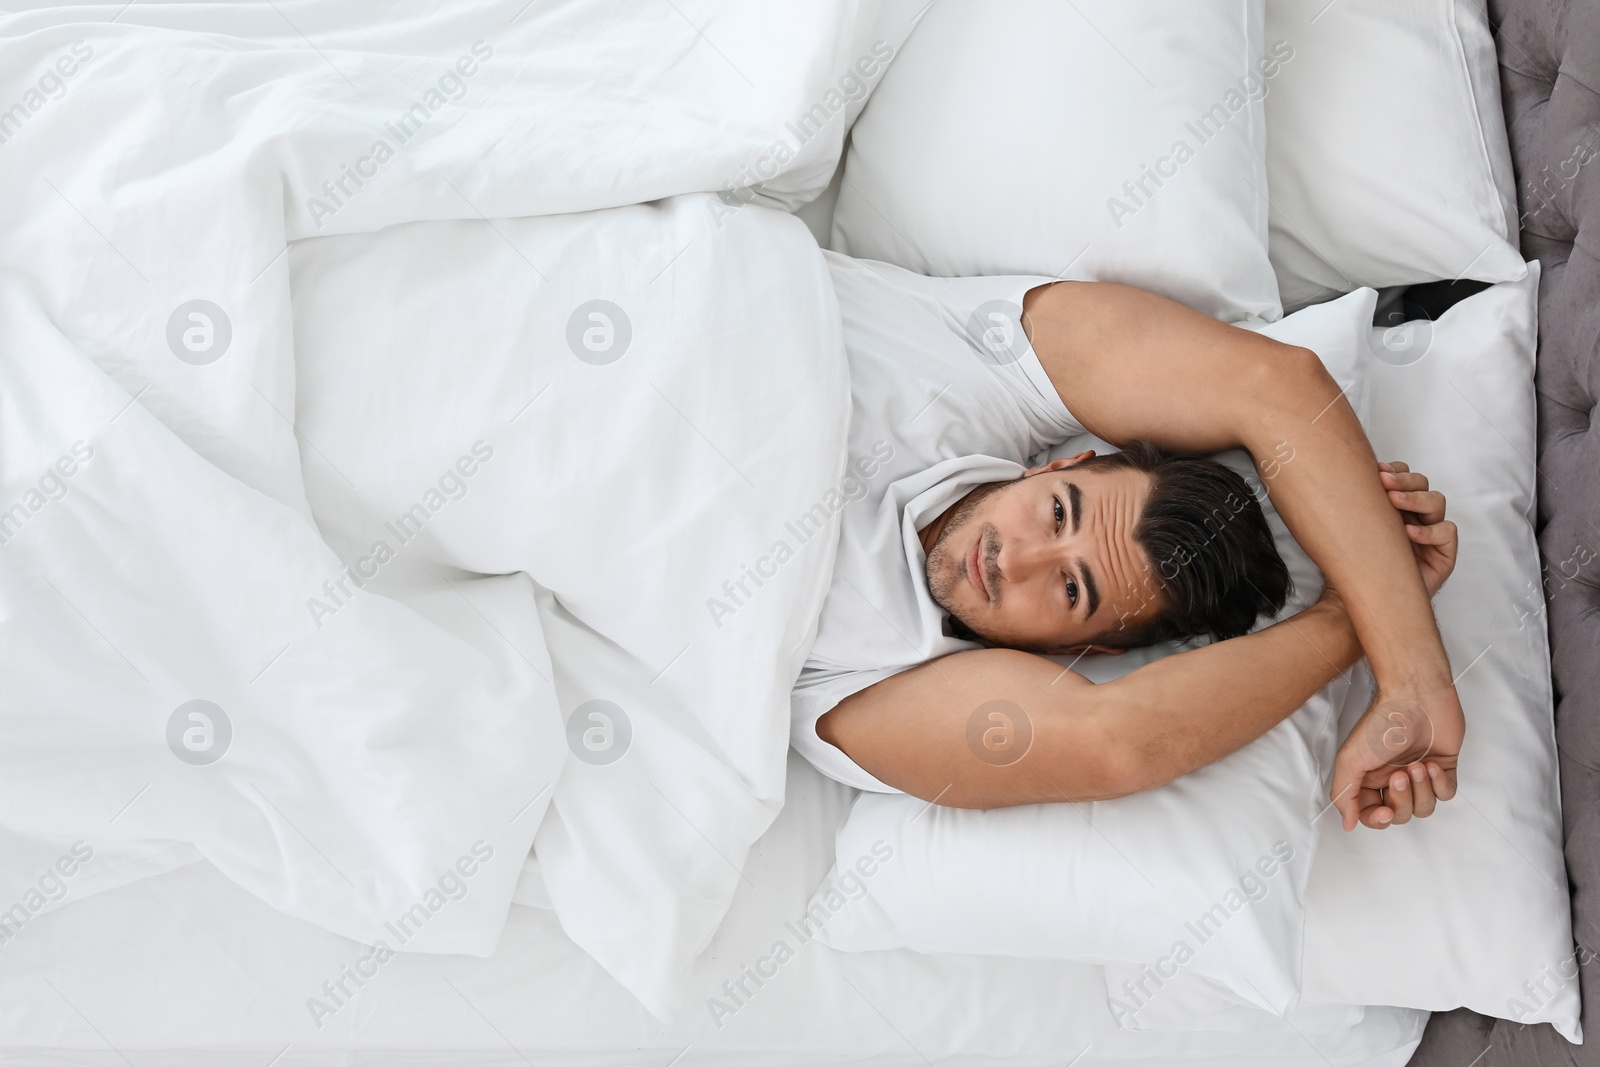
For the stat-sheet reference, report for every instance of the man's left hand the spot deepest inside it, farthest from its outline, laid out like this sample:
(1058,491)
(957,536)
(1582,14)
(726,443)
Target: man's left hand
(1400,759)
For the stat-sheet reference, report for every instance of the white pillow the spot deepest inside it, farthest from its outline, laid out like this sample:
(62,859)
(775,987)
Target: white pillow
(1386,148)
(1011,136)
(1465,907)
(1125,880)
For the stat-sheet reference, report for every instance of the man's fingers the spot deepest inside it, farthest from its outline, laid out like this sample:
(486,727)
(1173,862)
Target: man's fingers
(1440,533)
(1374,813)
(1444,781)
(1398,796)
(1427,505)
(1347,798)
(1407,481)
(1396,466)
(1349,810)
(1422,796)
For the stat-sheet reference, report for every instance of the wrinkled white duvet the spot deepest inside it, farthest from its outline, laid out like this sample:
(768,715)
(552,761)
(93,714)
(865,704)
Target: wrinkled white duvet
(360,505)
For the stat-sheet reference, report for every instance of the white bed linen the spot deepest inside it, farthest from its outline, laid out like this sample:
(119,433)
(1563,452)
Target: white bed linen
(1154,875)
(1105,140)
(1375,187)
(612,486)
(187,970)
(386,741)
(1455,398)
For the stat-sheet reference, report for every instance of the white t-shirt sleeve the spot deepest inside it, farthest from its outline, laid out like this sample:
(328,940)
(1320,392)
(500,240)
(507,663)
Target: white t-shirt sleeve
(982,317)
(818,693)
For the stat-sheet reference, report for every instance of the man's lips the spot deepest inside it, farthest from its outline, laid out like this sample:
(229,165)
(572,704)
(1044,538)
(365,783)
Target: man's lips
(975,567)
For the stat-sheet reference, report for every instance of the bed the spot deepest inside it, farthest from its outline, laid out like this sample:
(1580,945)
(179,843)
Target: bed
(625,838)
(1546,62)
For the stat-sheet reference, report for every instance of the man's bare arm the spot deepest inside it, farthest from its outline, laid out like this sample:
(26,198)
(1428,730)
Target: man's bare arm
(1131,364)
(1089,742)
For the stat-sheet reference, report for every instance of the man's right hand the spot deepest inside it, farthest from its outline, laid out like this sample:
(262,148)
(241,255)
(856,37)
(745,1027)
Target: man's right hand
(1400,759)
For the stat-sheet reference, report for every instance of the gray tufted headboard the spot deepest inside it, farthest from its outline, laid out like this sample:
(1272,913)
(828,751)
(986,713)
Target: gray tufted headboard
(1550,85)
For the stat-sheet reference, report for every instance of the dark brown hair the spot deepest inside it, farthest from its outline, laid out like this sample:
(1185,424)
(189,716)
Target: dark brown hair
(1213,567)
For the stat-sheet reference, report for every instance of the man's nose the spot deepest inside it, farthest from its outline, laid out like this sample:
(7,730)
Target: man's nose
(1021,559)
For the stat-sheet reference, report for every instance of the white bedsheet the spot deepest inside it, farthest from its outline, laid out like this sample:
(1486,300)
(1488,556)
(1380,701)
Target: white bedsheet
(628,491)
(189,449)
(189,971)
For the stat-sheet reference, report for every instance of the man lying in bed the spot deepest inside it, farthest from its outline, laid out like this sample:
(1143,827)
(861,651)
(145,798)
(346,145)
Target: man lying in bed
(959,566)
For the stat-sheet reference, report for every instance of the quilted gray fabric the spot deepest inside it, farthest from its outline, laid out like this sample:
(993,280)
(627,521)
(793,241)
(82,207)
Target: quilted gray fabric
(1550,86)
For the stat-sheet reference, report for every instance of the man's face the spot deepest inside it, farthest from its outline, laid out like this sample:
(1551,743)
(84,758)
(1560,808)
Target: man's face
(1047,562)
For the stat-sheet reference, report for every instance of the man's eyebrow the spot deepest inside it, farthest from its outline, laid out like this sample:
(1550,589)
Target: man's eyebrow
(1088,587)
(1075,502)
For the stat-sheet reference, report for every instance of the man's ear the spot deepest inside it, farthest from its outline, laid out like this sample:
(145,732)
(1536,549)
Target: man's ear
(1059,464)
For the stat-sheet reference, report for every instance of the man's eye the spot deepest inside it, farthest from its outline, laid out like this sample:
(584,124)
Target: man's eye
(1061,514)
(1072,591)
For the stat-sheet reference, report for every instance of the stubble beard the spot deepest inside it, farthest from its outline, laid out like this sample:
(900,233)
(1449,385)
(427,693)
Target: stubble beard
(943,571)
